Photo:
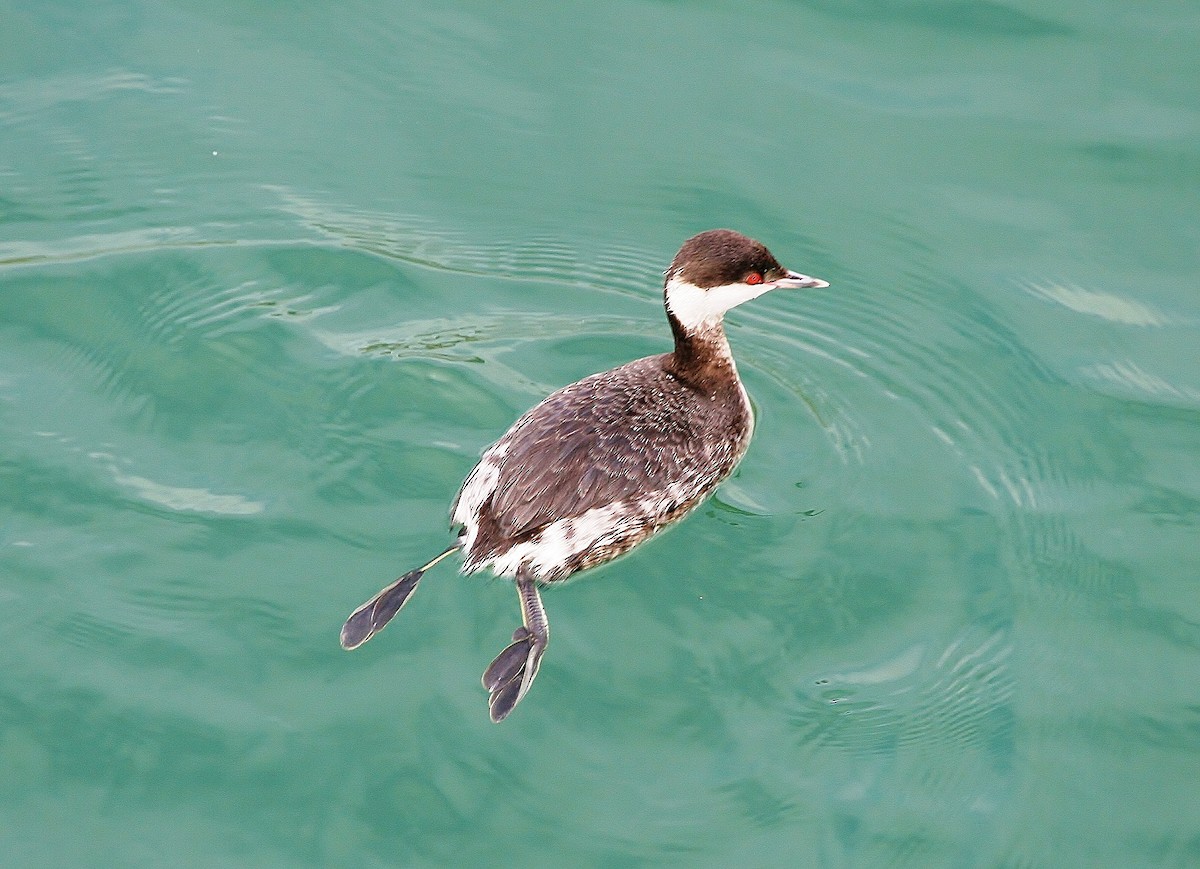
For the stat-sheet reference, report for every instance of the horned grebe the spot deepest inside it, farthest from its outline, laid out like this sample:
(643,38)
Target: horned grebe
(604,463)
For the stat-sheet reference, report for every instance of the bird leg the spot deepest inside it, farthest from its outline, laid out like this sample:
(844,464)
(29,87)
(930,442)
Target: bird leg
(509,676)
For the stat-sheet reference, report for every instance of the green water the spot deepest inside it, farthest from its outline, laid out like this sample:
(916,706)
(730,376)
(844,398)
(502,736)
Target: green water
(272,275)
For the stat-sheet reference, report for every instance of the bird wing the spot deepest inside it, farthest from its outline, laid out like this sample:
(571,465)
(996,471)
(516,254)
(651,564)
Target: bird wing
(608,438)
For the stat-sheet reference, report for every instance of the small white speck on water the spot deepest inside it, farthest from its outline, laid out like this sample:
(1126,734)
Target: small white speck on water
(214,153)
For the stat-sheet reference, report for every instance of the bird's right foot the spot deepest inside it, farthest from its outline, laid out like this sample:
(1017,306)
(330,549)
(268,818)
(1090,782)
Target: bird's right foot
(508,677)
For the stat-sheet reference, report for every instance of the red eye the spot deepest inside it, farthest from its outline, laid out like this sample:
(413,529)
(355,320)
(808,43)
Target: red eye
(754,278)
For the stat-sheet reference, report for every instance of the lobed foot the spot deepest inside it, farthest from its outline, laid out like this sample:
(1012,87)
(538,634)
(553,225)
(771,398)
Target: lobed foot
(369,618)
(509,676)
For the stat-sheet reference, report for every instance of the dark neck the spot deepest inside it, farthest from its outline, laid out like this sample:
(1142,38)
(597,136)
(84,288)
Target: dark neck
(702,359)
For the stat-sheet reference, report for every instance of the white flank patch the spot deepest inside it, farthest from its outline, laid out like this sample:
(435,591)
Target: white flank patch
(696,308)
(545,555)
(551,549)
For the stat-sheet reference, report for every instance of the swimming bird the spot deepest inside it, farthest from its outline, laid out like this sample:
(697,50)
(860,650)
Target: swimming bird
(602,464)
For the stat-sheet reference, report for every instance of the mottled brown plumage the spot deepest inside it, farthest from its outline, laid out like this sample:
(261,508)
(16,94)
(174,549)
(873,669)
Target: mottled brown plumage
(619,437)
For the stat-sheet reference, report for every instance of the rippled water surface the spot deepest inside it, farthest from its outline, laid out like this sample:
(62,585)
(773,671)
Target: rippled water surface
(272,275)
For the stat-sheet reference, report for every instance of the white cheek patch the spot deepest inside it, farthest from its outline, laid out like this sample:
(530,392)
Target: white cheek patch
(695,308)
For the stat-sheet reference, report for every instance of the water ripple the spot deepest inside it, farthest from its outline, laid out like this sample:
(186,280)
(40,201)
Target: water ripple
(887,344)
(419,241)
(956,696)
(1131,379)
(1114,308)
(32,97)
(185,499)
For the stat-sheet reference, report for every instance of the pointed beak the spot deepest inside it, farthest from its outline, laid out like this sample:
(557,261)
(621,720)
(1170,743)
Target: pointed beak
(797,281)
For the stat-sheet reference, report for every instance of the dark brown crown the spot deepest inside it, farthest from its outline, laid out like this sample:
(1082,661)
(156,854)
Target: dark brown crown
(721,256)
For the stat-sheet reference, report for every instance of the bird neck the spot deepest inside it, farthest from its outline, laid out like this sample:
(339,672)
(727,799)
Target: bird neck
(702,357)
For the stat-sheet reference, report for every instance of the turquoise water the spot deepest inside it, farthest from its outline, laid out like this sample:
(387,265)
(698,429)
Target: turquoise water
(271,276)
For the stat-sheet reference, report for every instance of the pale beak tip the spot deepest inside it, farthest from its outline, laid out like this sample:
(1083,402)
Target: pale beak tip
(797,281)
